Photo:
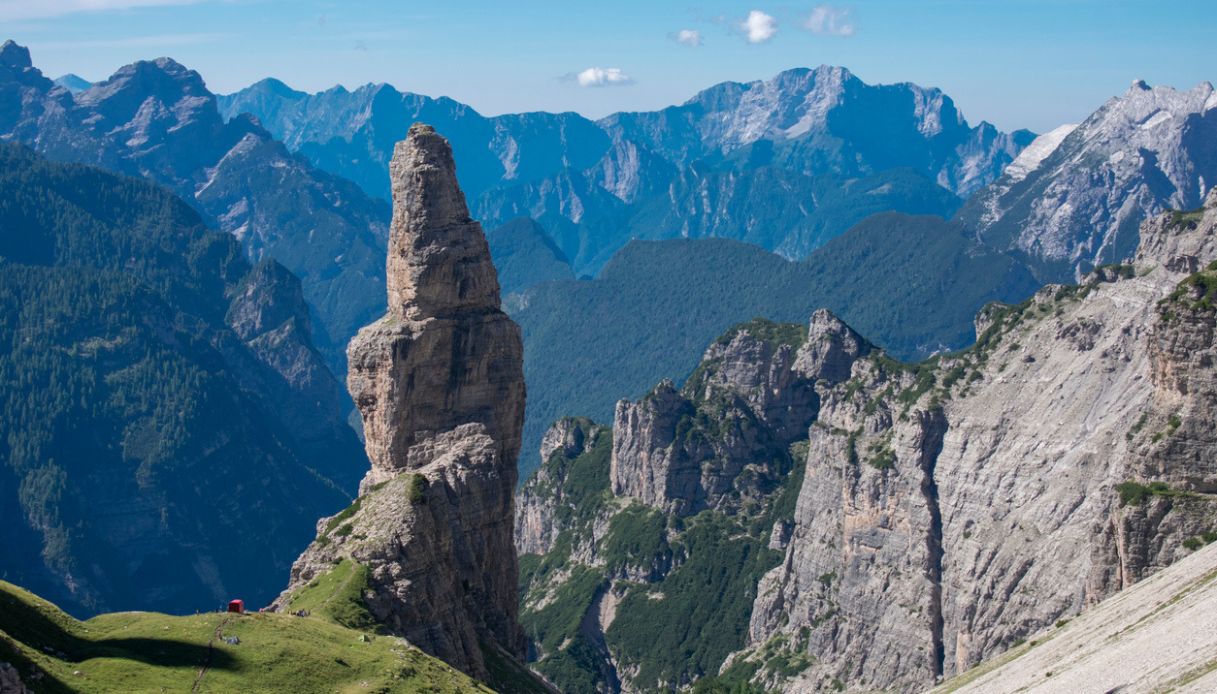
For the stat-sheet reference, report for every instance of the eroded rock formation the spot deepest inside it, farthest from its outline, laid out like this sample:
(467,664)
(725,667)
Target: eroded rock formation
(439,383)
(753,395)
(953,508)
(947,510)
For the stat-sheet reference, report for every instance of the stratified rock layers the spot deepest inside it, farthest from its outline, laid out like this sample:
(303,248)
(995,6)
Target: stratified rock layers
(439,383)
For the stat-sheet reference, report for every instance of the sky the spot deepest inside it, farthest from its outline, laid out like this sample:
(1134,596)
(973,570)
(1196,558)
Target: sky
(1032,64)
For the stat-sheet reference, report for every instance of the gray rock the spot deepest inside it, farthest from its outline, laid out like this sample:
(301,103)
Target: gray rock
(752,396)
(10,678)
(537,501)
(439,384)
(943,520)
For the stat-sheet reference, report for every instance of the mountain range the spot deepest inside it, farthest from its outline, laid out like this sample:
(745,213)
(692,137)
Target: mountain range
(921,453)
(785,163)
(156,120)
(806,513)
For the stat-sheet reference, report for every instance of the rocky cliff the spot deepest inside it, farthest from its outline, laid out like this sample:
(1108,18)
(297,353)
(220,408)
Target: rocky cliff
(927,516)
(624,533)
(752,396)
(952,508)
(439,383)
(1159,635)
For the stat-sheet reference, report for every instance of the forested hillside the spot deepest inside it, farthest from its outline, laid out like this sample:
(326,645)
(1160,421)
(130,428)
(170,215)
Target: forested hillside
(168,434)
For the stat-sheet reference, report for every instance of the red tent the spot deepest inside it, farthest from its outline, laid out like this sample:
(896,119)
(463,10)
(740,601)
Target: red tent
(237,606)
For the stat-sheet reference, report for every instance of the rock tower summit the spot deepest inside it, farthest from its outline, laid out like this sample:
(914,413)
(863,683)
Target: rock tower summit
(439,263)
(439,382)
(445,354)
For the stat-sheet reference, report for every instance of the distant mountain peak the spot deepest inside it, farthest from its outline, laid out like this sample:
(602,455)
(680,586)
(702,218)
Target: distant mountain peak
(15,55)
(73,83)
(277,87)
(164,78)
(1077,197)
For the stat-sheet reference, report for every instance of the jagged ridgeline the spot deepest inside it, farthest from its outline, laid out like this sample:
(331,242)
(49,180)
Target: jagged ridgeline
(808,514)
(168,434)
(641,547)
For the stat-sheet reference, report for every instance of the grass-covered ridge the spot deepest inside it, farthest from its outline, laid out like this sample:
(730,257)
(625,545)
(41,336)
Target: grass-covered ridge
(147,651)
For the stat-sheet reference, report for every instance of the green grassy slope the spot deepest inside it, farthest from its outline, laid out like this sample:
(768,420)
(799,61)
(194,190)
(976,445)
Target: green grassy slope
(151,652)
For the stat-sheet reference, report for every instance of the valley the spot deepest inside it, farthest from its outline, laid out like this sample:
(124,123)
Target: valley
(539,375)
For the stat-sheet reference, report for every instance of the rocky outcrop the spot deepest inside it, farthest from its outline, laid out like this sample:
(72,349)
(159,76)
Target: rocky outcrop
(539,500)
(439,384)
(1159,635)
(952,508)
(752,396)
(10,681)
(444,354)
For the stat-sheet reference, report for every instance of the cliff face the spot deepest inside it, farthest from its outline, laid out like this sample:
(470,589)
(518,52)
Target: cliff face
(624,533)
(952,508)
(937,513)
(752,396)
(439,384)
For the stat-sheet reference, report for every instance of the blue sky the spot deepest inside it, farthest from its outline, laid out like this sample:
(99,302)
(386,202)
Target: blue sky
(1033,63)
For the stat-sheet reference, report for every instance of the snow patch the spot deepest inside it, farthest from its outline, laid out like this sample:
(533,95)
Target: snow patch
(1035,153)
(1155,120)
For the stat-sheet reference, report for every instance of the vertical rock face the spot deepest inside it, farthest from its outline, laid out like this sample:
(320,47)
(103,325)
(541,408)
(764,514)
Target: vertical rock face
(444,354)
(439,384)
(753,395)
(538,521)
(439,262)
(954,507)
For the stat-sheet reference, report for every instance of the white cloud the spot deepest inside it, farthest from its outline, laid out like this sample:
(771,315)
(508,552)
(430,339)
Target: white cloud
(603,77)
(689,37)
(759,27)
(42,9)
(833,21)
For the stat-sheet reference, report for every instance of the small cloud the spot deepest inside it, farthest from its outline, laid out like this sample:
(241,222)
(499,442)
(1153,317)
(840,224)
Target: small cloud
(600,77)
(759,27)
(829,20)
(689,37)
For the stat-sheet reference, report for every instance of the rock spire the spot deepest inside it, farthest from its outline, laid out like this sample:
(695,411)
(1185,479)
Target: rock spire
(439,384)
